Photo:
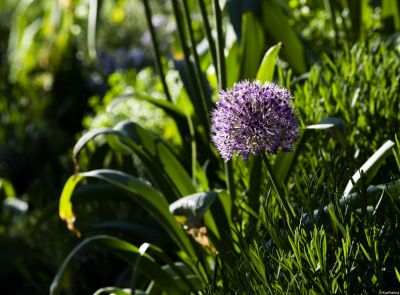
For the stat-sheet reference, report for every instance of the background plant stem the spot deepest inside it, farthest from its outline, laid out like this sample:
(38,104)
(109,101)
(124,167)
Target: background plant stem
(222,85)
(157,55)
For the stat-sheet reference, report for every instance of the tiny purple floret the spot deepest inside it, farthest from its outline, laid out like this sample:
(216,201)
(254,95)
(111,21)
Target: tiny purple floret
(253,118)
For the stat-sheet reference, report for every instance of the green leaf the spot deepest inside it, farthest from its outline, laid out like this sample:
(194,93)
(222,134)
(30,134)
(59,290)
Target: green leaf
(266,70)
(114,291)
(327,123)
(162,166)
(397,274)
(180,271)
(151,199)
(7,188)
(137,265)
(127,252)
(391,9)
(365,252)
(133,229)
(370,167)
(193,206)
(252,46)
(396,152)
(92,27)
(160,154)
(65,209)
(232,69)
(333,125)
(335,222)
(168,107)
(88,136)
(277,25)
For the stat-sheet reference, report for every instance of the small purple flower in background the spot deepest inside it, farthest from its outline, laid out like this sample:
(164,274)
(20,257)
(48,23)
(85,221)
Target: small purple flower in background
(253,118)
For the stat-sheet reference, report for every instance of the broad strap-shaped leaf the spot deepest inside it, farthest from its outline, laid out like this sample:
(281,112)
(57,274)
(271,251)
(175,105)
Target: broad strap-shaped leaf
(116,291)
(87,137)
(370,167)
(127,252)
(147,196)
(128,137)
(193,206)
(7,188)
(232,70)
(252,46)
(391,10)
(157,175)
(88,193)
(160,153)
(92,28)
(276,23)
(266,70)
(327,123)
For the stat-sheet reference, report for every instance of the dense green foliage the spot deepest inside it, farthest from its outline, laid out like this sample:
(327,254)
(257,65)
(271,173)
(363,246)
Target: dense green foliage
(150,205)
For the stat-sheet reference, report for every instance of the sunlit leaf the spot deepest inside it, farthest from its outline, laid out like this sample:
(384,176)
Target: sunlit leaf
(266,70)
(141,192)
(370,167)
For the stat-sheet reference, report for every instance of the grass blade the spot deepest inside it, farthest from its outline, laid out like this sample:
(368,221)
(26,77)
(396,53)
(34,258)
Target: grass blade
(157,54)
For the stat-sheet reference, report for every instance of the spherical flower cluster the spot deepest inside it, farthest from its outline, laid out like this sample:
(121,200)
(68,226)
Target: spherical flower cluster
(253,118)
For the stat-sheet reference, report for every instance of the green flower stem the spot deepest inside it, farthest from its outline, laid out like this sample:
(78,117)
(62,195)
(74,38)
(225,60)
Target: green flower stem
(276,186)
(156,49)
(230,183)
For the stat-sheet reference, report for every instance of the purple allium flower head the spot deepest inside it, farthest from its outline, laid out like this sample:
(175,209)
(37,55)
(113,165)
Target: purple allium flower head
(252,118)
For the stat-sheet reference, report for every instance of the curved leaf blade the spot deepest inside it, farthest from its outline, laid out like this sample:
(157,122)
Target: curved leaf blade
(127,252)
(88,136)
(150,198)
(193,205)
(160,154)
(370,167)
(266,71)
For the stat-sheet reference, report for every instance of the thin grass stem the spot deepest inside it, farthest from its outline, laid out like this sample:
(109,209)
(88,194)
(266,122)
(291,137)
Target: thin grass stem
(211,43)
(156,49)
(205,99)
(189,66)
